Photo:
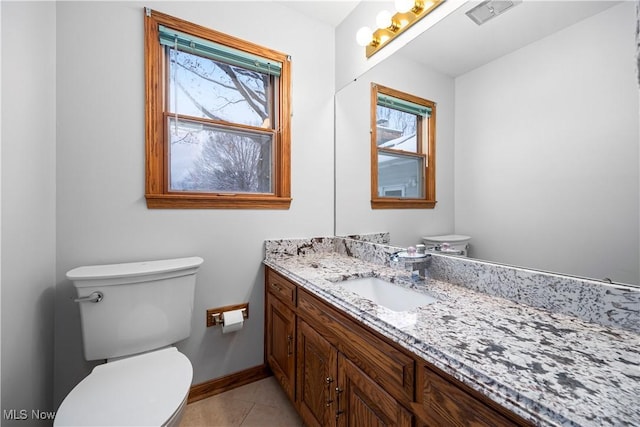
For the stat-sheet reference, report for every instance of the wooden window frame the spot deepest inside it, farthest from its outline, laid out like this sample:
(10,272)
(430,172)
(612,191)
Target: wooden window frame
(157,192)
(426,148)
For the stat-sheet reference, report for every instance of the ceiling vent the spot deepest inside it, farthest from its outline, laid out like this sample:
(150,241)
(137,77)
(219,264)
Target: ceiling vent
(490,9)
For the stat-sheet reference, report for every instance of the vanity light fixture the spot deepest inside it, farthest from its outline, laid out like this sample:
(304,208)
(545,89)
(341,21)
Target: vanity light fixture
(408,12)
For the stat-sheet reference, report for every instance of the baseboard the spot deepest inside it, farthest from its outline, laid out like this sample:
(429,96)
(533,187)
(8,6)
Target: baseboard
(229,382)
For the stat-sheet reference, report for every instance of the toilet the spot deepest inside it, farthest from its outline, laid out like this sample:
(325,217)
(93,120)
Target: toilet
(452,244)
(131,315)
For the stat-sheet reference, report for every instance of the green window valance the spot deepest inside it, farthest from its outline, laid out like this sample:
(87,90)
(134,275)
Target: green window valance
(403,105)
(218,52)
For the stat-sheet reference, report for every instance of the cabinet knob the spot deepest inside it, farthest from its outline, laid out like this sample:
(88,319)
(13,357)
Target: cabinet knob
(329,400)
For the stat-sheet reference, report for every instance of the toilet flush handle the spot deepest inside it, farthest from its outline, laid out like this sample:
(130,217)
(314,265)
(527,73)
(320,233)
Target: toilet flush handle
(94,297)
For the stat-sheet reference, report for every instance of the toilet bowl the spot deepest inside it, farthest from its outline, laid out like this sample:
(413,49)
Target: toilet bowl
(131,315)
(146,390)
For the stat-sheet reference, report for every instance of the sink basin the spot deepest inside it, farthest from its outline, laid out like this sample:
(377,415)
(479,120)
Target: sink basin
(387,294)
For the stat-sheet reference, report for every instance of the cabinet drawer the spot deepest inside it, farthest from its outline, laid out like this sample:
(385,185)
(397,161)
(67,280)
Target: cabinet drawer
(386,365)
(281,288)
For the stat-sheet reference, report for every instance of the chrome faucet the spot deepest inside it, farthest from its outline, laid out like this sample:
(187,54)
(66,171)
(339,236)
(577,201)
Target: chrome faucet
(421,267)
(416,265)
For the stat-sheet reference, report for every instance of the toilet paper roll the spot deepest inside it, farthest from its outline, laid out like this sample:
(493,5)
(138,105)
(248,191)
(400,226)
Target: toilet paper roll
(232,321)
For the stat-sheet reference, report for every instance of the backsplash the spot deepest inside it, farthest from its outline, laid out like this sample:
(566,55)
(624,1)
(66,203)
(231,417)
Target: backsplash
(382,238)
(299,246)
(592,301)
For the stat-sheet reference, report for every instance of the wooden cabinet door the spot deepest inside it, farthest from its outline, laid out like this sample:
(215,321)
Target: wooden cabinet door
(280,343)
(317,371)
(362,402)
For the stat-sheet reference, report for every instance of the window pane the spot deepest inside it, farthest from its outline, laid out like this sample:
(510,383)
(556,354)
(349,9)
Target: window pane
(202,87)
(219,160)
(400,175)
(396,129)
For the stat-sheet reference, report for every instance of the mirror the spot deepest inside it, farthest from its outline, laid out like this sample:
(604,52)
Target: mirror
(537,138)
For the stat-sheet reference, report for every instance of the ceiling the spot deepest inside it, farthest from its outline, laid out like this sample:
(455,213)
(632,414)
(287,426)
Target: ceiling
(331,12)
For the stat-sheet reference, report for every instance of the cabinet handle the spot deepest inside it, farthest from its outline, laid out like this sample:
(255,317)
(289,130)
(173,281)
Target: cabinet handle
(338,411)
(276,286)
(329,401)
(289,341)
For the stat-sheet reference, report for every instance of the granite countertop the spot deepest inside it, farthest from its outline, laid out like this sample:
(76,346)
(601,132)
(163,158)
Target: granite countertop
(549,368)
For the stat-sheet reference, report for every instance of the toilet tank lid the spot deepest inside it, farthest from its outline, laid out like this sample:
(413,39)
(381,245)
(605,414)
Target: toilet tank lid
(109,271)
(448,238)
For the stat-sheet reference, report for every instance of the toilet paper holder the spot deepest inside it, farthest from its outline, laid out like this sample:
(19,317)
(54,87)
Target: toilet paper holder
(215,316)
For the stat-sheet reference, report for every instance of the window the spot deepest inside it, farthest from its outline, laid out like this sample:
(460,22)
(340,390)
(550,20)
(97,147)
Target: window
(402,150)
(217,119)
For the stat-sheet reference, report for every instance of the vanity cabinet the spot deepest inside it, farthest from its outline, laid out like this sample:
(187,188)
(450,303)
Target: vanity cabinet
(339,372)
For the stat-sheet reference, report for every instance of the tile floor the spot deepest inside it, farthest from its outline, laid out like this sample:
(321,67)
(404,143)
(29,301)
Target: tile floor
(261,403)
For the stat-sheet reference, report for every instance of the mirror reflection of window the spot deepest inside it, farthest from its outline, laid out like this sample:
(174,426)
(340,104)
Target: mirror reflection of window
(403,148)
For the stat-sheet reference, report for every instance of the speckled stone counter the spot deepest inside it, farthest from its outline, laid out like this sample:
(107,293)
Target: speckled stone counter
(550,368)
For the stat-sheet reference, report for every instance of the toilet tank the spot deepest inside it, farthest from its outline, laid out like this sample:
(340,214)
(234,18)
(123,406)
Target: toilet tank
(457,243)
(144,305)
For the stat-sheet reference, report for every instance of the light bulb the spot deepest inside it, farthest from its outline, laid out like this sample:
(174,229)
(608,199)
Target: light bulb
(403,6)
(383,20)
(364,36)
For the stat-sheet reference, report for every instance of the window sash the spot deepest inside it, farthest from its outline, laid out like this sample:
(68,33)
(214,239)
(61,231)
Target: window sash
(403,163)
(170,105)
(227,165)
(218,52)
(401,142)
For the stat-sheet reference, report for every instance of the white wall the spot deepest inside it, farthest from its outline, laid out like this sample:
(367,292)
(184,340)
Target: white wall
(353,154)
(547,152)
(102,217)
(28,206)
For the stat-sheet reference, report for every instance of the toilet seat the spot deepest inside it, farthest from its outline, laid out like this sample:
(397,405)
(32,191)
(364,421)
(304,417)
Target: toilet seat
(143,390)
